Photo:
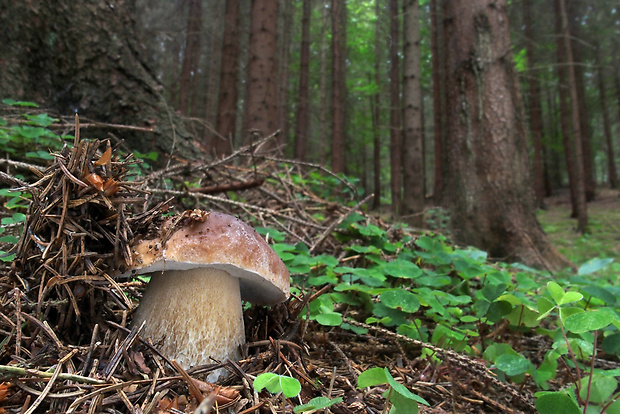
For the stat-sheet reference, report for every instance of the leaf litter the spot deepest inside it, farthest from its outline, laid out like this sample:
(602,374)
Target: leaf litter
(69,345)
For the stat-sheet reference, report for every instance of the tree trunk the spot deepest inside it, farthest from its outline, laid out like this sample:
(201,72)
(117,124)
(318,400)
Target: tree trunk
(89,59)
(535,107)
(565,112)
(211,89)
(438,97)
(338,86)
(284,57)
(488,183)
(396,134)
(376,111)
(191,55)
(301,132)
(580,185)
(261,110)
(611,162)
(574,18)
(324,105)
(227,102)
(413,147)
(553,160)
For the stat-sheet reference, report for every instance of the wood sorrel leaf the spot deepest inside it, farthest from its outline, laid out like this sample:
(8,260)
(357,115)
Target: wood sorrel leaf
(401,300)
(556,402)
(590,320)
(371,377)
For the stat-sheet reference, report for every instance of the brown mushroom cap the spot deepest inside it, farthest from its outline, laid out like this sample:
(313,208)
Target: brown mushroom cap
(222,242)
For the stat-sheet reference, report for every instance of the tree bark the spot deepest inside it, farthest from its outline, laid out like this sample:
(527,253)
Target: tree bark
(574,18)
(488,184)
(301,132)
(376,112)
(229,67)
(438,100)
(396,134)
(611,162)
(261,111)
(565,111)
(284,57)
(89,59)
(535,107)
(209,93)
(413,143)
(580,181)
(321,152)
(191,55)
(338,86)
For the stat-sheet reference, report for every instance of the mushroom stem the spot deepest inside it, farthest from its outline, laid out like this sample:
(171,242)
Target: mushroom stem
(195,313)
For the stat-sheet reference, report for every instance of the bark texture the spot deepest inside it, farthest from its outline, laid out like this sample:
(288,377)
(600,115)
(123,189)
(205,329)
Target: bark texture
(261,113)
(413,142)
(301,131)
(438,106)
(396,132)
(488,186)
(574,15)
(338,86)
(576,146)
(376,113)
(191,55)
(227,102)
(535,107)
(88,59)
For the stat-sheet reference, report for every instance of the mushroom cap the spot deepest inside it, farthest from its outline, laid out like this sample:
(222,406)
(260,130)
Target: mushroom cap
(220,241)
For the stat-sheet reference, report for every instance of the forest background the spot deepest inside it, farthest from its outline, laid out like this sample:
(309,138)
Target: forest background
(401,96)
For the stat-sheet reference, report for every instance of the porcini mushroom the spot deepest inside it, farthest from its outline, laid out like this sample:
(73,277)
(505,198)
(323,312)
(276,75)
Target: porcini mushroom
(200,270)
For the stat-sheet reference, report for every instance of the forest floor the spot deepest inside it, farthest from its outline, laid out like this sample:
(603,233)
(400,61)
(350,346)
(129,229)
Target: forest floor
(603,237)
(84,329)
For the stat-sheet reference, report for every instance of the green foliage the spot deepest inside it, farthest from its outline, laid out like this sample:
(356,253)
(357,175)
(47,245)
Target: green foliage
(460,296)
(275,383)
(31,132)
(403,400)
(316,404)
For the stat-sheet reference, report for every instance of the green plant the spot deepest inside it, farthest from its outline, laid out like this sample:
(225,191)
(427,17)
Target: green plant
(403,401)
(461,297)
(316,404)
(275,383)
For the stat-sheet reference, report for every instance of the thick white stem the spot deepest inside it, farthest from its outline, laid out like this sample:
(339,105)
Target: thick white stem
(193,315)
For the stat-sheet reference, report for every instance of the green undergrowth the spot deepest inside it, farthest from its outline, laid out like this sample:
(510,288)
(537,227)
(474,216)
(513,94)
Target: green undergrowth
(425,288)
(428,290)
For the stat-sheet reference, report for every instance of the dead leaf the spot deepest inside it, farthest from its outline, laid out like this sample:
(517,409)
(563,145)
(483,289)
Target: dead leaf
(138,358)
(4,390)
(105,158)
(95,180)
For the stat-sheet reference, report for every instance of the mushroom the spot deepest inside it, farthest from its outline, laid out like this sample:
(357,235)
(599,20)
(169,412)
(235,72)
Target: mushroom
(201,267)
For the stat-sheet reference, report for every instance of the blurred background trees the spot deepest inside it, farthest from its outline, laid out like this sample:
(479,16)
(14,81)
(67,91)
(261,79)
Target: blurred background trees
(361,86)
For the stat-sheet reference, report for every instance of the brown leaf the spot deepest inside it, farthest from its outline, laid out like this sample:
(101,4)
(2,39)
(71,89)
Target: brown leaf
(105,158)
(110,187)
(95,180)
(138,358)
(4,389)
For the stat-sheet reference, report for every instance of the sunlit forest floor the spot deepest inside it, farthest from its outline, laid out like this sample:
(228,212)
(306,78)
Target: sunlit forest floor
(603,239)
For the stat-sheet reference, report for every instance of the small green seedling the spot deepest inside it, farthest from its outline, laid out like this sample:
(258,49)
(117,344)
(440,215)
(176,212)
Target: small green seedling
(275,383)
(403,401)
(316,404)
